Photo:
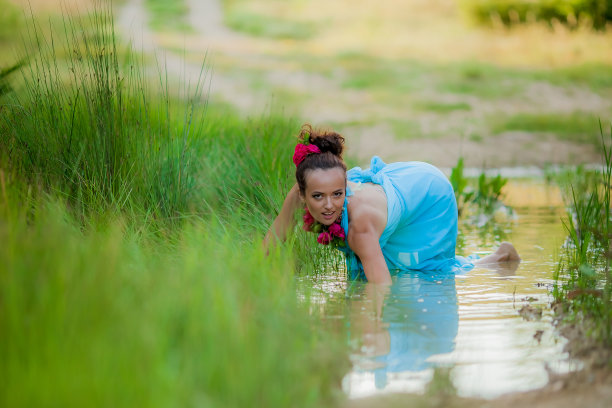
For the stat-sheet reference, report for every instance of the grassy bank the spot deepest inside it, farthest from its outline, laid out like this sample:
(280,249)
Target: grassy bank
(131,269)
(583,289)
(87,123)
(116,317)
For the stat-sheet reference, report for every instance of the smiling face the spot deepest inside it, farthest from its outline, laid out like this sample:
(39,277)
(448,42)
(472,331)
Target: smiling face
(324,194)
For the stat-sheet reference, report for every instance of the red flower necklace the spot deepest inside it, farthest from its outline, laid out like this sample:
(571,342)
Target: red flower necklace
(330,234)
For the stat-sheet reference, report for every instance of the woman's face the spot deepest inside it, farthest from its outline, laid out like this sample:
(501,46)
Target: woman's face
(324,194)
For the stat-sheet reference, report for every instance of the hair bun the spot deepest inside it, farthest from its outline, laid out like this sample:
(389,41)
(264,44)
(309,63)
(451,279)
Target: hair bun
(325,140)
(330,145)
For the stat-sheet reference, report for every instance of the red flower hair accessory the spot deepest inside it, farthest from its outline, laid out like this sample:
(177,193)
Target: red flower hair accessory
(303,150)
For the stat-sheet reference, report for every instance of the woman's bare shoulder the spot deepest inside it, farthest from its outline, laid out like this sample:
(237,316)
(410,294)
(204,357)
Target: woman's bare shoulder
(367,208)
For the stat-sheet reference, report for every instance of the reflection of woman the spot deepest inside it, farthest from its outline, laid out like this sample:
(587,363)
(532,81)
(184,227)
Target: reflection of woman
(395,216)
(419,319)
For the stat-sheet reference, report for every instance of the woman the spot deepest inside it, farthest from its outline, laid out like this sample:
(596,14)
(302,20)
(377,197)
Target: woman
(395,216)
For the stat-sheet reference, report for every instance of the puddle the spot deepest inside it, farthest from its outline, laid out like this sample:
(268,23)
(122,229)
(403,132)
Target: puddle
(469,323)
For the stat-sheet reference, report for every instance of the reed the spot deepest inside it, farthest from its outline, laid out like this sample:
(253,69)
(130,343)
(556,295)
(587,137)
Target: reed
(583,279)
(483,195)
(131,268)
(86,124)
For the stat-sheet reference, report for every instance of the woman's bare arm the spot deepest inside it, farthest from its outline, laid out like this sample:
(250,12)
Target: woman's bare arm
(285,220)
(364,241)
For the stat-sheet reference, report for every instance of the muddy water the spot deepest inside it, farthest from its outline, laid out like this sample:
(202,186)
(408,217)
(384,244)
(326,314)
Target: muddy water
(471,324)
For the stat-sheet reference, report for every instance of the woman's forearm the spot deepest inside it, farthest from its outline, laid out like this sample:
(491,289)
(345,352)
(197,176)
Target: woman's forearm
(285,220)
(364,241)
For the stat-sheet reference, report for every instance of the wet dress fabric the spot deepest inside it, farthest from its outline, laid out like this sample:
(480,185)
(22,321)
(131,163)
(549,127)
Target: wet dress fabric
(421,230)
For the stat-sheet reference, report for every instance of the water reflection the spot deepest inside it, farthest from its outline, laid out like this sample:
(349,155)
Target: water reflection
(468,323)
(403,325)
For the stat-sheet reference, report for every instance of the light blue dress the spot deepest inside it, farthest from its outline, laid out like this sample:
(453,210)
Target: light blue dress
(421,230)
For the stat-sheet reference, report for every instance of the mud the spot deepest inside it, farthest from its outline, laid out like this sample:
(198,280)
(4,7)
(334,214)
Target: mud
(589,388)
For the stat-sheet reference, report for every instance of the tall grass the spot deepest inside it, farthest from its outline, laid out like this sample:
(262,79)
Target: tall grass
(583,280)
(131,269)
(114,318)
(88,125)
(83,124)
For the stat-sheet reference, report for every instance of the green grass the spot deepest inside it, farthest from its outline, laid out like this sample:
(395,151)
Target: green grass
(99,140)
(484,80)
(577,127)
(168,15)
(12,24)
(594,76)
(259,25)
(11,21)
(406,129)
(131,220)
(402,89)
(583,277)
(406,75)
(441,107)
(114,316)
(381,75)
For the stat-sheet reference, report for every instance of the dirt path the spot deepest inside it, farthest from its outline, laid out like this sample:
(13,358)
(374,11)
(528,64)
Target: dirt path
(247,73)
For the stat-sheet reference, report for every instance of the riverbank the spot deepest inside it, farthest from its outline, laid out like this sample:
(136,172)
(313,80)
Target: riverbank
(192,191)
(591,388)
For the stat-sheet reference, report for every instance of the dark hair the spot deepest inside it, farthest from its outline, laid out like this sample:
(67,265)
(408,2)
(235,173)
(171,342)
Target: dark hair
(331,145)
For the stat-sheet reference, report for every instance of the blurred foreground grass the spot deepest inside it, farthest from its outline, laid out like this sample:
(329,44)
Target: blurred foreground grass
(112,316)
(119,317)
(131,216)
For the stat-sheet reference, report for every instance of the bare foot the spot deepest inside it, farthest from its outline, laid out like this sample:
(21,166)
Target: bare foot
(505,253)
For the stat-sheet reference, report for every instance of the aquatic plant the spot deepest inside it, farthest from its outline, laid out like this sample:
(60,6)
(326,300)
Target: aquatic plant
(460,185)
(485,196)
(489,191)
(583,279)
